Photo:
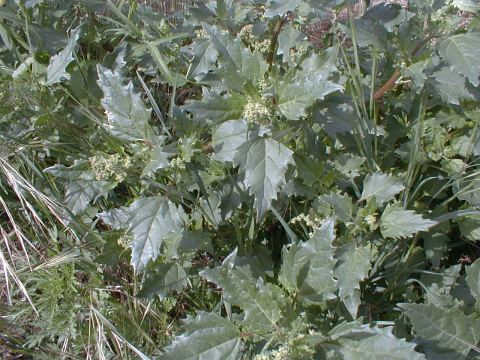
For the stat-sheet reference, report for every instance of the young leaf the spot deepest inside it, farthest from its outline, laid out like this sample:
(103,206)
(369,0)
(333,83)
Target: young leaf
(126,113)
(57,69)
(208,336)
(380,186)
(462,53)
(444,333)
(307,267)
(150,221)
(397,222)
(264,163)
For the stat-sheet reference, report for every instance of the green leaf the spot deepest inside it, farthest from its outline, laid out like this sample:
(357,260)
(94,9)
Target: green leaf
(381,346)
(353,266)
(473,280)
(467,5)
(204,57)
(227,138)
(397,222)
(288,38)
(150,221)
(307,267)
(115,218)
(126,112)
(470,227)
(173,78)
(308,169)
(239,64)
(80,170)
(79,194)
(443,333)
(280,7)
(57,69)
(380,186)
(208,336)
(217,108)
(341,205)
(264,163)
(262,303)
(451,86)
(158,160)
(170,277)
(294,97)
(462,53)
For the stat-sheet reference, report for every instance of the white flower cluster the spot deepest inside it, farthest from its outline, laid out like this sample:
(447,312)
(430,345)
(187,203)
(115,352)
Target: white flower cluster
(201,34)
(313,222)
(262,46)
(371,221)
(108,167)
(282,353)
(256,112)
(125,240)
(177,163)
(246,34)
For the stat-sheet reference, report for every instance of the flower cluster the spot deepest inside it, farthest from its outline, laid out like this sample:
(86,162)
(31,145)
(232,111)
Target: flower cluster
(125,240)
(108,167)
(256,112)
(177,163)
(312,221)
(247,36)
(282,353)
(201,34)
(262,46)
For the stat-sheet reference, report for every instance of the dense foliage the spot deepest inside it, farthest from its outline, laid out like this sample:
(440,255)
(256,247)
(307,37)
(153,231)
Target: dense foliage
(288,179)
